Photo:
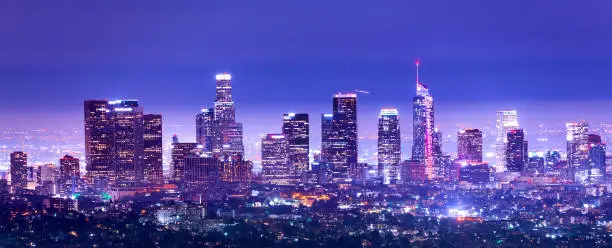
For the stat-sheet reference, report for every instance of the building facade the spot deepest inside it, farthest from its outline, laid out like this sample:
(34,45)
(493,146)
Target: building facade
(506,120)
(469,145)
(152,141)
(296,130)
(516,155)
(276,167)
(389,145)
(19,172)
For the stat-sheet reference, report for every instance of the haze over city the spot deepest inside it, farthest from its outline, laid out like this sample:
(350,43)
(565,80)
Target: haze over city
(369,118)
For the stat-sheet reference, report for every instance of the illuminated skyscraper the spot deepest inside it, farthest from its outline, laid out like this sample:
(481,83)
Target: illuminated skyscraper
(389,145)
(152,136)
(224,103)
(127,147)
(344,135)
(69,174)
(180,152)
(506,121)
(234,169)
(98,140)
(327,137)
(69,168)
(229,140)
(596,169)
(577,145)
(423,127)
(469,145)
(516,155)
(206,129)
(201,171)
(296,130)
(276,168)
(19,172)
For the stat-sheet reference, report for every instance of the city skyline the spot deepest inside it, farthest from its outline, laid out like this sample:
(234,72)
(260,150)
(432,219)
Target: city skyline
(313,123)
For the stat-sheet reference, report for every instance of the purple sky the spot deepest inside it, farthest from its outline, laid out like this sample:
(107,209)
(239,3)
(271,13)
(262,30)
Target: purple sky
(293,55)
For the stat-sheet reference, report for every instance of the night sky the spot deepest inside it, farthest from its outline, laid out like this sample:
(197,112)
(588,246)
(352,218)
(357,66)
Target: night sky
(551,60)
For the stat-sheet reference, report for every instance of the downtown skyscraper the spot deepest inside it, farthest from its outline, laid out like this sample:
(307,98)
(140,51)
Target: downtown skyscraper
(230,131)
(115,143)
(216,128)
(577,144)
(19,172)
(69,174)
(339,137)
(275,164)
(128,144)
(296,130)
(98,141)
(206,129)
(506,120)
(596,169)
(516,151)
(469,145)
(152,140)
(389,145)
(423,127)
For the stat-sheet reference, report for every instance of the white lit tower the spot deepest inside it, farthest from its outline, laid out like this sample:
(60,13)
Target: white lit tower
(389,145)
(506,120)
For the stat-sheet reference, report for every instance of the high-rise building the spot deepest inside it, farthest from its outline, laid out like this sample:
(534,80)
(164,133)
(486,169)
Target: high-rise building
(423,127)
(19,172)
(389,145)
(127,147)
(577,145)
(69,174)
(49,173)
(229,140)
(180,152)
(201,171)
(98,140)
(206,129)
(69,168)
(152,141)
(234,169)
(296,130)
(469,145)
(439,158)
(224,103)
(506,120)
(596,169)
(328,154)
(515,151)
(114,143)
(276,168)
(344,136)
(551,158)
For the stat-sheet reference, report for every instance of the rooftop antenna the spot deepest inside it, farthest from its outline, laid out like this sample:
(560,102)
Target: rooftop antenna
(417,62)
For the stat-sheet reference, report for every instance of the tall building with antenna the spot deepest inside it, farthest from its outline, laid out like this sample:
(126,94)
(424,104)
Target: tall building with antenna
(423,126)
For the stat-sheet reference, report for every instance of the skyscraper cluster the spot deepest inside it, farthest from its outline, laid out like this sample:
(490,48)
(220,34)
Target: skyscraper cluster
(217,155)
(122,144)
(216,128)
(124,149)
